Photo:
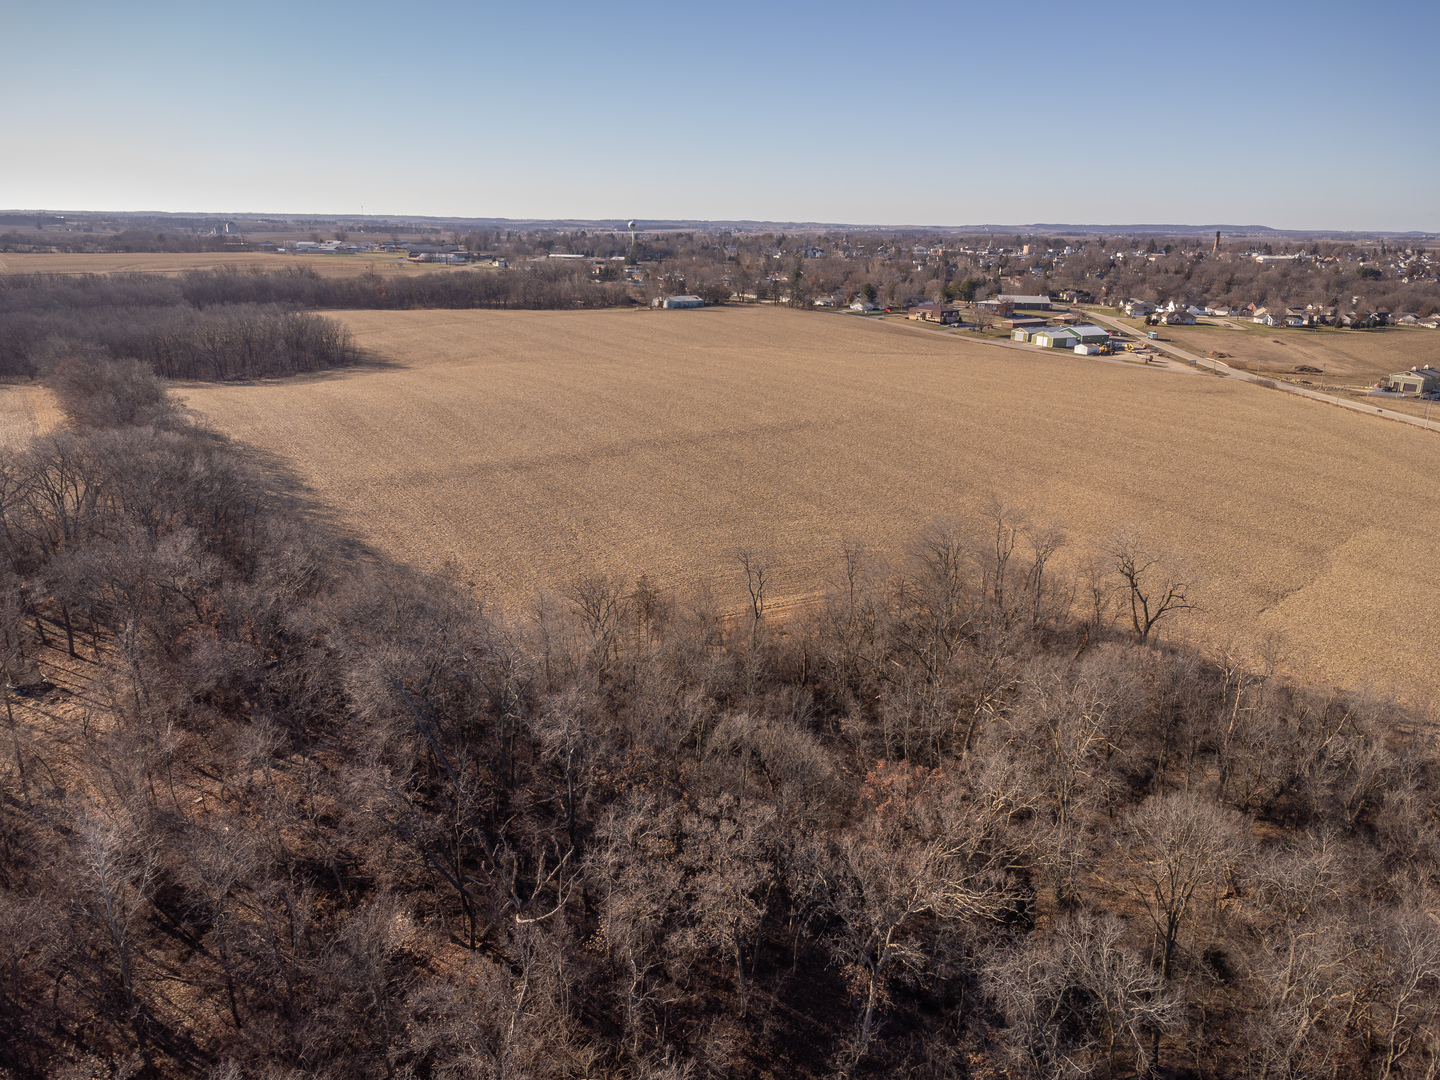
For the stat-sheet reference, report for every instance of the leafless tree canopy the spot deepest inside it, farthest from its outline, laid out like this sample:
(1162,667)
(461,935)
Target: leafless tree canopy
(270,807)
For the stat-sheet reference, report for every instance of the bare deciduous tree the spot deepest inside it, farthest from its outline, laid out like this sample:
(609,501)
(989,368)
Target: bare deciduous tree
(916,859)
(1407,1013)
(600,602)
(1047,600)
(1175,845)
(1068,994)
(758,567)
(1153,584)
(1298,1028)
(119,863)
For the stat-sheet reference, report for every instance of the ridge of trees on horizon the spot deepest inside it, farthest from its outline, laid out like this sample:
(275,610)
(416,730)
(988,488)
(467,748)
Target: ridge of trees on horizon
(273,807)
(763,266)
(236,324)
(721,265)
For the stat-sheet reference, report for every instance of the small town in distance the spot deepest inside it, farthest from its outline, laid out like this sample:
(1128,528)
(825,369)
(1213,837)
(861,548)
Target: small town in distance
(1345,313)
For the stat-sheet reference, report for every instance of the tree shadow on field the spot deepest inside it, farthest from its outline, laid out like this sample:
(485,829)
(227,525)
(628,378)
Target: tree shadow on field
(291,496)
(369,362)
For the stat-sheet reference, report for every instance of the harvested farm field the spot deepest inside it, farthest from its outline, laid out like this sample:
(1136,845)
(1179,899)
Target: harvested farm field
(521,450)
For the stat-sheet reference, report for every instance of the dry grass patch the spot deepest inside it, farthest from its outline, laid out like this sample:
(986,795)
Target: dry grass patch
(26,410)
(1351,356)
(523,449)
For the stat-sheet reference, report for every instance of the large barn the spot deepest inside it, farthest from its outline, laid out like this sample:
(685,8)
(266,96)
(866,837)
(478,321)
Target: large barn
(1032,303)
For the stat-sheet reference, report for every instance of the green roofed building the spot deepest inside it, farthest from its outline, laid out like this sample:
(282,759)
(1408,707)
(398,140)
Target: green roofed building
(1055,337)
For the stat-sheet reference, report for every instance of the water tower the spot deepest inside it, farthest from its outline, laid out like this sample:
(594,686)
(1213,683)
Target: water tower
(632,233)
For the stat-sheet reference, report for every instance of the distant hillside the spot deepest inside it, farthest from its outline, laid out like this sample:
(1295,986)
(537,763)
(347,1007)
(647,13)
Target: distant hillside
(279,222)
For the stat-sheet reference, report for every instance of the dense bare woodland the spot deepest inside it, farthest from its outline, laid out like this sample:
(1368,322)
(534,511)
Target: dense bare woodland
(274,808)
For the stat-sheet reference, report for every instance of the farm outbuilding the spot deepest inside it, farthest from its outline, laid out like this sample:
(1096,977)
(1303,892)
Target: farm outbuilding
(677,302)
(1041,303)
(1090,334)
(1055,337)
(1418,380)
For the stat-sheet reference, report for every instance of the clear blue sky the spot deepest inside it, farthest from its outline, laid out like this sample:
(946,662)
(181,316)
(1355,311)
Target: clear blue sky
(1296,115)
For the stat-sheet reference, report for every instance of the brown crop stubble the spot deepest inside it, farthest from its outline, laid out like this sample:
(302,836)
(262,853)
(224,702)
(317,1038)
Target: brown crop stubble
(529,447)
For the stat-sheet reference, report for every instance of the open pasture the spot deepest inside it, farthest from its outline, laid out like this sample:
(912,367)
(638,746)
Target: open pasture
(1353,357)
(523,449)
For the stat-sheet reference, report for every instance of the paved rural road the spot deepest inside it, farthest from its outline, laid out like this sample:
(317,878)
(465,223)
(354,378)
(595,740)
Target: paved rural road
(1203,364)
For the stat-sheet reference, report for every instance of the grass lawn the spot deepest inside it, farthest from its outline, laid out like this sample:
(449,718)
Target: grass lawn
(1353,357)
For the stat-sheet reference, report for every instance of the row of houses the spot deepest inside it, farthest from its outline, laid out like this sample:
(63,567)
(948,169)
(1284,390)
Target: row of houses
(1367,319)
(1180,312)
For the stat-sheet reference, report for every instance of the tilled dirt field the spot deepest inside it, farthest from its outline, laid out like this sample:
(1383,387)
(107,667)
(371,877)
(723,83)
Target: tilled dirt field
(522,449)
